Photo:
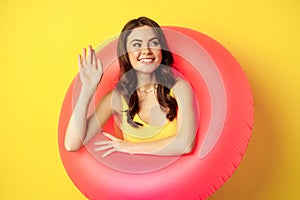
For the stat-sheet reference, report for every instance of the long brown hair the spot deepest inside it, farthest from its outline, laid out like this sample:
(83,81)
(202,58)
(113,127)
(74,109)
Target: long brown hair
(163,74)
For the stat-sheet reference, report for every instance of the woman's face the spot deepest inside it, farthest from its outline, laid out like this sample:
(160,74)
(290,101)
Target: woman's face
(144,49)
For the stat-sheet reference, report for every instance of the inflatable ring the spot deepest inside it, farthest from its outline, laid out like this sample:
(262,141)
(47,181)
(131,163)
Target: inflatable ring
(226,117)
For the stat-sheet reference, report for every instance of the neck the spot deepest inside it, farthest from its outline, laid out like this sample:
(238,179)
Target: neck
(145,81)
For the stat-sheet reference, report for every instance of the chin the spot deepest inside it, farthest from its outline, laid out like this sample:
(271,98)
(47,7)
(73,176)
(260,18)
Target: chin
(147,68)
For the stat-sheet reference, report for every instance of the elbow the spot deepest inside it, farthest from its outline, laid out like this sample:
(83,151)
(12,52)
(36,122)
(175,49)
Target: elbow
(179,151)
(181,147)
(71,147)
(72,144)
(188,148)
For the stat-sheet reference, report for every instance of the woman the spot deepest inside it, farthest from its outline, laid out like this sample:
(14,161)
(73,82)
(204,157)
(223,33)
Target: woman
(153,109)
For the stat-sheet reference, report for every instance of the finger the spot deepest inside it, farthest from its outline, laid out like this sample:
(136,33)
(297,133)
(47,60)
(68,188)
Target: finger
(104,147)
(102,143)
(94,57)
(84,56)
(79,62)
(99,66)
(110,136)
(89,58)
(108,152)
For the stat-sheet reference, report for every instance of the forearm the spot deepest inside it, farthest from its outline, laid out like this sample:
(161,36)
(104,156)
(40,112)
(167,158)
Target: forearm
(181,143)
(76,130)
(171,146)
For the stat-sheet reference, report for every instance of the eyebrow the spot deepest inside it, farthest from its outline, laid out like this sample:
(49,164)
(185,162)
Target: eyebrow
(138,40)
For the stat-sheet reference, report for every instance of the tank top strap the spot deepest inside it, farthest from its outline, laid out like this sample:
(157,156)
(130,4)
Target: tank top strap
(124,103)
(172,92)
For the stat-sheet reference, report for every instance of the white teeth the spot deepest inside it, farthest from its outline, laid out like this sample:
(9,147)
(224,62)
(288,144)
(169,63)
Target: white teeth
(146,60)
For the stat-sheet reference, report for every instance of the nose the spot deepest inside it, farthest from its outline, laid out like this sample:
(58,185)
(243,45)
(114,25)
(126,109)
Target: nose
(146,50)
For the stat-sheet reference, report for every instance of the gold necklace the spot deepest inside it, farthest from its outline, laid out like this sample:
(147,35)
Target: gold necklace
(148,91)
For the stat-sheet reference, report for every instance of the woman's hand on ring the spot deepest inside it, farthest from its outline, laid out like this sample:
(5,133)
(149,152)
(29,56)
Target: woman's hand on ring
(113,145)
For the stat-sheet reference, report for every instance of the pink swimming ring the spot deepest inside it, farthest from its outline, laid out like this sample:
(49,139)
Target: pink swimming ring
(226,113)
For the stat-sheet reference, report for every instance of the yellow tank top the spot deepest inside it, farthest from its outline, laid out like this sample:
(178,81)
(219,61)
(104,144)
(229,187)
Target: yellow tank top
(146,133)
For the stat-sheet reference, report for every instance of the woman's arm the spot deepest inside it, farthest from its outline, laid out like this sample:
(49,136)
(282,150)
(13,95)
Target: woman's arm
(80,129)
(179,144)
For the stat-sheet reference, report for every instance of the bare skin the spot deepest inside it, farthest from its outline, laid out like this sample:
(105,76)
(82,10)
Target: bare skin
(145,56)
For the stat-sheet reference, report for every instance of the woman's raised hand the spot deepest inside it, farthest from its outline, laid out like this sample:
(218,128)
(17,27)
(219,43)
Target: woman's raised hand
(90,69)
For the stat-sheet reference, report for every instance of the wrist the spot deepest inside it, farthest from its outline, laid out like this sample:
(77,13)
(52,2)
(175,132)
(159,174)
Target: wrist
(135,148)
(86,94)
(88,90)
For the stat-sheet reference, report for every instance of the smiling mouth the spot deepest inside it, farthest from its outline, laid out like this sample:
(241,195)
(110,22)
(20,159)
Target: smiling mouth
(147,60)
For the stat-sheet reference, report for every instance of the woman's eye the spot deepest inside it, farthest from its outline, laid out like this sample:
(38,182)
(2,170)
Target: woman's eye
(154,43)
(137,44)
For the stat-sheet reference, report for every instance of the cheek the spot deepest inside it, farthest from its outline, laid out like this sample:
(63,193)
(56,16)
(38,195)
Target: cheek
(158,55)
(133,55)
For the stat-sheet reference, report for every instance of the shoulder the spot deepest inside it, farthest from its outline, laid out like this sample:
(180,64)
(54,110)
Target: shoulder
(117,100)
(182,88)
(184,96)
(113,100)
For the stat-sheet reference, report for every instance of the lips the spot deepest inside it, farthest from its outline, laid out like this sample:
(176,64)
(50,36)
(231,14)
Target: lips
(146,60)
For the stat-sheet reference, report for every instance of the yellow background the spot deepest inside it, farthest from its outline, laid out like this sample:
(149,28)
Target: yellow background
(40,41)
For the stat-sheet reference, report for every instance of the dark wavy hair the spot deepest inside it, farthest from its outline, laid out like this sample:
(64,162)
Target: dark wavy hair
(163,74)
